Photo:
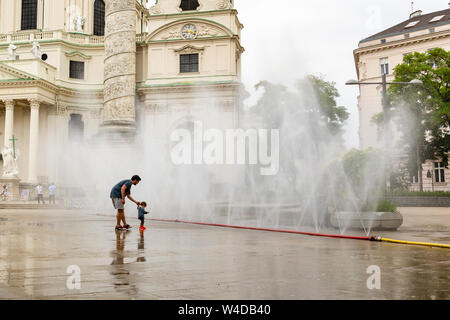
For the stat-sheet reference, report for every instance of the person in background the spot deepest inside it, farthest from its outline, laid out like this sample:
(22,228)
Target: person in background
(5,192)
(40,193)
(51,191)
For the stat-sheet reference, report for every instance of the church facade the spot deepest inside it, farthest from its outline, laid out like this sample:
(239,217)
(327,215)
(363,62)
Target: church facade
(69,68)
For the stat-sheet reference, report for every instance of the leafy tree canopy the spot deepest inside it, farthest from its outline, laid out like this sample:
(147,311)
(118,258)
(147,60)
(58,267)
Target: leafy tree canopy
(424,117)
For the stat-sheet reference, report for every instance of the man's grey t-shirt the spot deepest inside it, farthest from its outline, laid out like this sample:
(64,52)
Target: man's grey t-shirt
(116,190)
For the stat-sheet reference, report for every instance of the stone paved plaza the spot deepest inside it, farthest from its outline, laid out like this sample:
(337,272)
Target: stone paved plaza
(175,261)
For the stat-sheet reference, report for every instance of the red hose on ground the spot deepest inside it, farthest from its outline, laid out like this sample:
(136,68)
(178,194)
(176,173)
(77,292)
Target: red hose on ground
(270,230)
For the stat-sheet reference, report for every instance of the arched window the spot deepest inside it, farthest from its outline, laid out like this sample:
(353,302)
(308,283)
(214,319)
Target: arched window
(29,14)
(76,128)
(99,18)
(187,5)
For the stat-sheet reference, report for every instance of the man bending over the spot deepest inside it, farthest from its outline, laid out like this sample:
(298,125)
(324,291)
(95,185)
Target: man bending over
(118,193)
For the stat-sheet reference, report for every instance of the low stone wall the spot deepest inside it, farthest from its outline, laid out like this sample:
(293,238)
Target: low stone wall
(421,201)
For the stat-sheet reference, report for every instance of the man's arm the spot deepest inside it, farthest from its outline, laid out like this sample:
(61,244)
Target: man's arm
(129,197)
(122,191)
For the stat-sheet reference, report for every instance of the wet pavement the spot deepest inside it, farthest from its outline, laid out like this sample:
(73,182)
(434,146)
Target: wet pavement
(175,261)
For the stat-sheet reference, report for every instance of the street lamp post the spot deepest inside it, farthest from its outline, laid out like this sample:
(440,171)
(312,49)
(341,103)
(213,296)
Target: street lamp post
(384,83)
(384,101)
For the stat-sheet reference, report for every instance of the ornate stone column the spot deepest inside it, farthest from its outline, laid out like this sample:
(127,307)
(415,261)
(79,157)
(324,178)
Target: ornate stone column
(9,121)
(34,140)
(120,66)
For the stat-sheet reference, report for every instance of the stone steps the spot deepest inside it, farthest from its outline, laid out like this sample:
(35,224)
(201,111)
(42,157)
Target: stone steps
(6,206)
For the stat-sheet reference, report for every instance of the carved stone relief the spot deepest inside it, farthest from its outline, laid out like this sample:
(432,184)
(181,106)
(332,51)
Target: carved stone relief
(120,65)
(119,22)
(121,109)
(118,87)
(119,5)
(204,30)
(120,42)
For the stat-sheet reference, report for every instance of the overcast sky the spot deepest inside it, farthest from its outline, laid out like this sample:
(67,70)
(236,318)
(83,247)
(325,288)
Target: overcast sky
(286,39)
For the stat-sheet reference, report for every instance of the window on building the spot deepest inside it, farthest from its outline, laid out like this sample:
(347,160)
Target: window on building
(99,18)
(432,30)
(439,172)
(29,15)
(189,63)
(412,24)
(384,63)
(407,35)
(383,40)
(76,70)
(76,128)
(187,5)
(437,18)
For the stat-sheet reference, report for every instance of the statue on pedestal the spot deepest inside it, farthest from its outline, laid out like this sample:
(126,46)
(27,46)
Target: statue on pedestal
(78,23)
(10,167)
(36,49)
(12,51)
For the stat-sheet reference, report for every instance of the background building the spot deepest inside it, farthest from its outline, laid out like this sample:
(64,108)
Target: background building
(380,54)
(187,63)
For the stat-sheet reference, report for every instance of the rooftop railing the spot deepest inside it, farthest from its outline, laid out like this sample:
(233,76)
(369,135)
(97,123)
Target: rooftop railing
(79,38)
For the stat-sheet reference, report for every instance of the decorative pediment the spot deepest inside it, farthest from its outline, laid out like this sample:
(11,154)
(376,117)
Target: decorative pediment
(10,73)
(203,28)
(78,54)
(189,49)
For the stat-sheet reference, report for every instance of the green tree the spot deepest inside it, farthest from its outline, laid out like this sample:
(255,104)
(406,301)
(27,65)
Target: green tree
(326,94)
(422,114)
(362,178)
(310,125)
(314,97)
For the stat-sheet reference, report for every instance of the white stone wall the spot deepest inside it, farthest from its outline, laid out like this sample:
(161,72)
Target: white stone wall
(368,64)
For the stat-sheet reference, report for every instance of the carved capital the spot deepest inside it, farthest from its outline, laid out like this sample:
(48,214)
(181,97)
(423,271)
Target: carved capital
(9,104)
(62,110)
(34,104)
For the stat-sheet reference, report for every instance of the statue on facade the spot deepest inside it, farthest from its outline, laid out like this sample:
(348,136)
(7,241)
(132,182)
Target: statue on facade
(10,168)
(224,4)
(12,52)
(36,49)
(78,23)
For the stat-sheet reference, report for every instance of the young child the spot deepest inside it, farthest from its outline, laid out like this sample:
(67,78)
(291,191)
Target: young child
(5,193)
(142,212)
